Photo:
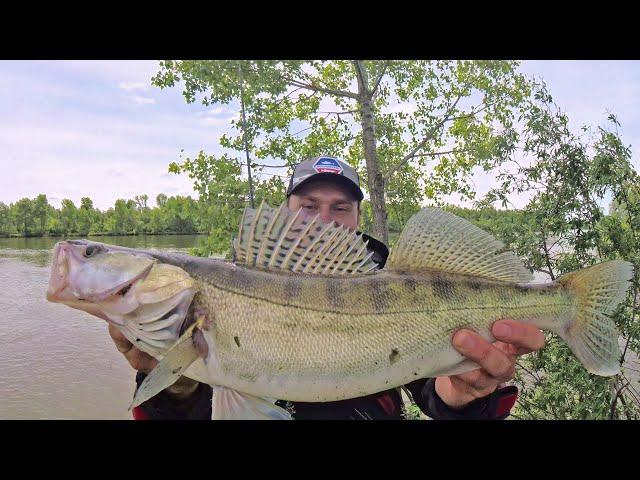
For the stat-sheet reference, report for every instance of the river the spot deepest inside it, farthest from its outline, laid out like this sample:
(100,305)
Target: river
(56,362)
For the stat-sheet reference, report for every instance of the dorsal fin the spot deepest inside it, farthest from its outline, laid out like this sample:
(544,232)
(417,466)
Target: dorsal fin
(438,240)
(279,239)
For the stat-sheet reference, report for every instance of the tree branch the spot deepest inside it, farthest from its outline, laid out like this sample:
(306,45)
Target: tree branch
(362,77)
(435,154)
(474,113)
(270,166)
(424,141)
(528,371)
(337,93)
(615,401)
(347,112)
(379,79)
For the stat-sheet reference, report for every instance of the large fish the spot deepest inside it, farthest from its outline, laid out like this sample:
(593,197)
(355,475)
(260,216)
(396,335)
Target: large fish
(302,313)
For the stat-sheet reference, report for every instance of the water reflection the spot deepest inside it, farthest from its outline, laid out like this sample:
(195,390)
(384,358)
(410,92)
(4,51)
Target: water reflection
(38,250)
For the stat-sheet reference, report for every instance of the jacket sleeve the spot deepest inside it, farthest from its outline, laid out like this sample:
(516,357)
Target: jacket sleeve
(164,407)
(496,406)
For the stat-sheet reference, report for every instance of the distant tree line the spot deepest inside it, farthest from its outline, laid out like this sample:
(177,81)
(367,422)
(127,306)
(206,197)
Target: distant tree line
(37,217)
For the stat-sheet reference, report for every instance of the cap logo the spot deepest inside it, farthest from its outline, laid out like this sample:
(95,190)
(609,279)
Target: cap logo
(327,165)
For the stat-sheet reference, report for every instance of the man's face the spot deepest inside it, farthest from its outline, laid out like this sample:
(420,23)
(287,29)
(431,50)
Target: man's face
(332,202)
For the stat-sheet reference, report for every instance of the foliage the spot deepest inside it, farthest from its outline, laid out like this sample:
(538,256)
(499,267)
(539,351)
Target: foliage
(412,129)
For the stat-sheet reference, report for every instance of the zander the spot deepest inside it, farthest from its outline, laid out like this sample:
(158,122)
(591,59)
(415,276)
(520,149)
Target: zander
(303,314)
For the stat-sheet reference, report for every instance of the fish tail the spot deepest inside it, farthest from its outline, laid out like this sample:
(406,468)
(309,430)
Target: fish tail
(591,334)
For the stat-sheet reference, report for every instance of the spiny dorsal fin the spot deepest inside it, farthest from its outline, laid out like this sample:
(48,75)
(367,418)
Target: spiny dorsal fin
(279,239)
(437,240)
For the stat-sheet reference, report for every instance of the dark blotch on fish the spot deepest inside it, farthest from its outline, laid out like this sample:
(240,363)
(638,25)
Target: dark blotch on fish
(237,340)
(381,295)
(292,288)
(475,285)
(334,293)
(393,356)
(443,287)
(410,284)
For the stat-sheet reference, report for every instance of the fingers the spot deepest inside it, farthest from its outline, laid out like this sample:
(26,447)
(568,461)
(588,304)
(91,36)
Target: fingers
(459,390)
(527,338)
(474,385)
(477,380)
(137,358)
(122,344)
(495,362)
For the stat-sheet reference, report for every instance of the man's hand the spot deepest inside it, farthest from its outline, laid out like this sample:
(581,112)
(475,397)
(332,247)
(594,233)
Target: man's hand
(144,362)
(498,361)
(139,360)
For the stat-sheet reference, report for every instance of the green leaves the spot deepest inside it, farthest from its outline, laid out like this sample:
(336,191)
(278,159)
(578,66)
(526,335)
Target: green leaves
(223,195)
(564,228)
(298,109)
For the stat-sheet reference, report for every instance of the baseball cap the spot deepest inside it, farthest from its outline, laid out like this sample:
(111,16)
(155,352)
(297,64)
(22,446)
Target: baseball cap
(329,168)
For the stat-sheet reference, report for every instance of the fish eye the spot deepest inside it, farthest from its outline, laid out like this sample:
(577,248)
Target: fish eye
(90,250)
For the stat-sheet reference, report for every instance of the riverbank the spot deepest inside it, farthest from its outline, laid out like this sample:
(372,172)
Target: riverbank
(103,234)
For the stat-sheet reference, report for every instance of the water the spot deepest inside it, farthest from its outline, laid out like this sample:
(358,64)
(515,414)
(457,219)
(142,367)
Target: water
(57,362)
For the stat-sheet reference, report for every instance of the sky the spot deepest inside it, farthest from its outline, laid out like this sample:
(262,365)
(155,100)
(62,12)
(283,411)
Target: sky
(71,129)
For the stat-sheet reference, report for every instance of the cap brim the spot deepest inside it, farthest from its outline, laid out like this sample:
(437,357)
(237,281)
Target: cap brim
(334,178)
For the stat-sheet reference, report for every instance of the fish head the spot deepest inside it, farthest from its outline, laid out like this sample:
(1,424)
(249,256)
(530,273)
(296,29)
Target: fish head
(86,275)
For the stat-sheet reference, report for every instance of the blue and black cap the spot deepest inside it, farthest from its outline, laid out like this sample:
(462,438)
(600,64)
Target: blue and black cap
(329,168)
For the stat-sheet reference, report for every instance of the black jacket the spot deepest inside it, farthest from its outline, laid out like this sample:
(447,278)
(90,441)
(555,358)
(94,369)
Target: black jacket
(387,405)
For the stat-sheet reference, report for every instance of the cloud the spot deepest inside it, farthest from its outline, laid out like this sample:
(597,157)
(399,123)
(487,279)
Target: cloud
(110,70)
(218,122)
(408,108)
(143,100)
(73,129)
(212,112)
(133,85)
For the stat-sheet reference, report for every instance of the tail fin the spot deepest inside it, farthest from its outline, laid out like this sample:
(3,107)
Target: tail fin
(591,334)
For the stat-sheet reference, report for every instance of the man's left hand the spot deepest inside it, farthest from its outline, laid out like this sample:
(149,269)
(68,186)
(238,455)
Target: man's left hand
(498,361)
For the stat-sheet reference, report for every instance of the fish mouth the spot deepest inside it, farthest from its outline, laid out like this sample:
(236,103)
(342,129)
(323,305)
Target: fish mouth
(64,293)
(118,290)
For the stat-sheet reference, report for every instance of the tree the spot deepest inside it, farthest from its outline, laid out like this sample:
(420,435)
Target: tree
(23,211)
(141,201)
(222,196)
(453,116)
(6,223)
(564,228)
(161,199)
(123,215)
(41,212)
(68,216)
(86,216)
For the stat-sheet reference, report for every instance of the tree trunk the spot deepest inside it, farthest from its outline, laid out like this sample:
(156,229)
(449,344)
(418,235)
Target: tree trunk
(375,180)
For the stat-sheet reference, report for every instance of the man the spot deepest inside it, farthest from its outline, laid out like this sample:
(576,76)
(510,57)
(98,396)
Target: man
(331,188)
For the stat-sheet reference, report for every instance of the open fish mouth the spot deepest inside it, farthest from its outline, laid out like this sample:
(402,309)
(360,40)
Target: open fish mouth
(119,290)
(63,288)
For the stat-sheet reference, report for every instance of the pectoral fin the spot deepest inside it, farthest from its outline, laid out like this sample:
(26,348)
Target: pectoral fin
(171,367)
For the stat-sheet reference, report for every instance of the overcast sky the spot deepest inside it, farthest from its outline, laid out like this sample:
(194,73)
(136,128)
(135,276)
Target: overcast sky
(98,128)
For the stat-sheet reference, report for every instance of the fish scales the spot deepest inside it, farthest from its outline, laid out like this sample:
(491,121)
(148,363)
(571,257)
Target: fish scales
(294,353)
(302,314)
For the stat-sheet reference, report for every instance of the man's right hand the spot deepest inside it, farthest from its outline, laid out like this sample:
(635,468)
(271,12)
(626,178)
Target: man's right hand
(139,360)
(145,363)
